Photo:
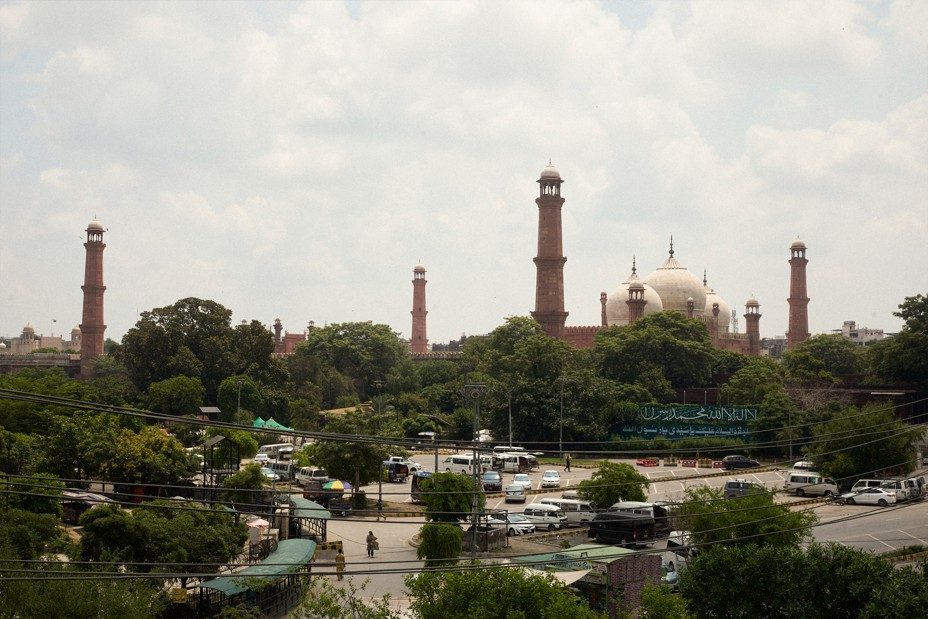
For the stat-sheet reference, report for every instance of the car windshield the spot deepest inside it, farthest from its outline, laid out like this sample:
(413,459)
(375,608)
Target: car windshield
(520,477)
(517,518)
(514,489)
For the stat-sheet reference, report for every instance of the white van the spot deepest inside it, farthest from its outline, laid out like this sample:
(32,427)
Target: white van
(277,451)
(515,463)
(460,463)
(311,473)
(807,483)
(578,511)
(545,516)
(657,511)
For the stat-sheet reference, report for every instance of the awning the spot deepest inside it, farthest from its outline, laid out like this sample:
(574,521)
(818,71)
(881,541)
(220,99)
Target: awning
(304,508)
(569,578)
(290,556)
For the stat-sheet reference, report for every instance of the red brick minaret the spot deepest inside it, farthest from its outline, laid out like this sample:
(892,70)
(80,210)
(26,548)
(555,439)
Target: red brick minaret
(603,298)
(549,263)
(798,330)
(636,300)
(92,326)
(418,342)
(752,325)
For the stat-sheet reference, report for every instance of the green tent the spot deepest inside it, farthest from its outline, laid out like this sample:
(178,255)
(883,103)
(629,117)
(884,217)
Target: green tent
(259,423)
(271,424)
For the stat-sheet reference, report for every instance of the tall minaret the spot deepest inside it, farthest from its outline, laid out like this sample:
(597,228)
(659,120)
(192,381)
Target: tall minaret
(92,326)
(603,298)
(798,330)
(418,342)
(752,325)
(549,263)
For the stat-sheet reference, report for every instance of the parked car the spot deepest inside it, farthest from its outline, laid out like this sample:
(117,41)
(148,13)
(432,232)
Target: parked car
(804,465)
(262,458)
(516,524)
(492,481)
(410,464)
(803,483)
(311,473)
(622,528)
(738,462)
(870,496)
(515,493)
(269,474)
(735,488)
(551,479)
(523,480)
(548,517)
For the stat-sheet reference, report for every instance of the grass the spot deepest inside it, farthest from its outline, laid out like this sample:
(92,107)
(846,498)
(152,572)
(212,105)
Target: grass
(905,550)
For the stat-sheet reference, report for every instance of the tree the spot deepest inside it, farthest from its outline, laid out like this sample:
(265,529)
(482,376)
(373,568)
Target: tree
(440,544)
(678,345)
(774,581)
(242,487)
(24,534)
(321,599)
(180,536)
(838,355)
(905,356)
(147,457)
(180,395)
(613,482)
(39,494)
(494,592)
(448,496)
(659,602)
(866,441)
(752,519)
(358,461)
(751,384)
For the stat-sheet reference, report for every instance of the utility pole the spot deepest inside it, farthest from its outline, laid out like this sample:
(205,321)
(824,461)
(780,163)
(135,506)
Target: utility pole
(560,443)
(509,393)
(379,384)
(473,391)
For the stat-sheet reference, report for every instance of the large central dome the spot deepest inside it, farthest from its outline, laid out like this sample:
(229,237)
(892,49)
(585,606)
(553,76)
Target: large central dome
(676,285)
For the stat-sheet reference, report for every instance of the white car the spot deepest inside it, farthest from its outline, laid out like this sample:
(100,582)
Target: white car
(270,474)
(870,496)
(516,524)
(522,479)
(410,464)
(262,458)
(551,479)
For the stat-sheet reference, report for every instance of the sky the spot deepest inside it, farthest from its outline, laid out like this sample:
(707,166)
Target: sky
(297,160)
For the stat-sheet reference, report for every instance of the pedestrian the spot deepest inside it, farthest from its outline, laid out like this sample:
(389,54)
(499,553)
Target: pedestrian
(340,563)
(372,544)
(567,463)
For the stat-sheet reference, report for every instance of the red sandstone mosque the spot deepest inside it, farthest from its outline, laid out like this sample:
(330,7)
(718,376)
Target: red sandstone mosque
(670,287)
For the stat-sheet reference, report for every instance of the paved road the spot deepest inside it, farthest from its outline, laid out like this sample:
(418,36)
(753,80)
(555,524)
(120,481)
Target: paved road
(879,529)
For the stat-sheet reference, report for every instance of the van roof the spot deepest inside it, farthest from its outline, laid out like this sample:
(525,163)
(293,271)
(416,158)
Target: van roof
(545,506)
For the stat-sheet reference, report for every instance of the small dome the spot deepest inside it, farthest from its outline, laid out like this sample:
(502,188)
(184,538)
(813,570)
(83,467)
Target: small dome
(550,172)
(752,302)
(95,226)
(676,286)
(797,244)
(617,308)
(28,328)
(2,344)
(419,268)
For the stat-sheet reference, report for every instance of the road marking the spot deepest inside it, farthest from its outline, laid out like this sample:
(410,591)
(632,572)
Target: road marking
(881,541)
(913,537)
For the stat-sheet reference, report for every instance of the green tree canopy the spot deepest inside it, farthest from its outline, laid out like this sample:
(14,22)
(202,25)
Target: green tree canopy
(360,462)
(613,482)
(678,345)
(751,384)
(448,497)
(837,355)
(494,592)
(774,581)
(440,544)
(904,358)
(864,441)
(180,395)
(752,519)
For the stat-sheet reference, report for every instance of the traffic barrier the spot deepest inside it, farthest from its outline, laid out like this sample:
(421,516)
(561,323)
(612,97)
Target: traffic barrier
(717,464)
(648,462)
(688,463)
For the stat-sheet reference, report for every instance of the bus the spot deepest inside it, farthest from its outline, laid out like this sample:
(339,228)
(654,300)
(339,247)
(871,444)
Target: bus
(277,451)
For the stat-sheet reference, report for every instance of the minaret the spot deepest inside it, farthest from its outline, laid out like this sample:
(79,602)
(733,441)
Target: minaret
(798,330)
(603,297)
(278,327)
(549,263)
(418,342)
(636,300)
(752,325)
(92,326)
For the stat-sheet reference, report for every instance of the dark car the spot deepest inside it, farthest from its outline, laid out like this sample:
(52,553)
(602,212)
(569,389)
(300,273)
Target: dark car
(492,481)
(623,529)
(738,462)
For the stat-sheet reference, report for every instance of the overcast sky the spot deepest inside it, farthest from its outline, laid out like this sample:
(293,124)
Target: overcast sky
(298,160)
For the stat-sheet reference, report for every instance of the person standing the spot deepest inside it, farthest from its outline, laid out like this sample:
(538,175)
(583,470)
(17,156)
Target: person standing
(567,463)
(371,543)
(340,563)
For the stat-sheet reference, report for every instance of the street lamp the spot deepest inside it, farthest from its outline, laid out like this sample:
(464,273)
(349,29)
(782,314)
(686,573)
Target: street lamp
(509,393)
(379,384)
(560,440)
(238,404)
(473,391)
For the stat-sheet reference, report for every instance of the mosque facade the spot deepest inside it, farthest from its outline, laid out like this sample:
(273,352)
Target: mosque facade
(669,287)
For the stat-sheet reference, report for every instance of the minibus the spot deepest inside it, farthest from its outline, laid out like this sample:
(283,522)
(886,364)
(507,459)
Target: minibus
(578,511)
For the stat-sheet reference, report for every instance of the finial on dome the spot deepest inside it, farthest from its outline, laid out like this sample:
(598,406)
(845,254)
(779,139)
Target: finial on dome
(633,264)
(671,245)
(704,282)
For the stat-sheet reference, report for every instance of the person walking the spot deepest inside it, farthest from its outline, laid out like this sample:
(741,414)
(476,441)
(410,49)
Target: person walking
(372,544)
(567,463)
(340,564)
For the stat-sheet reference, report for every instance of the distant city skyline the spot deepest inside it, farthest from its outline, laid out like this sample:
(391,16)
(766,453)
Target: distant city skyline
(298,160)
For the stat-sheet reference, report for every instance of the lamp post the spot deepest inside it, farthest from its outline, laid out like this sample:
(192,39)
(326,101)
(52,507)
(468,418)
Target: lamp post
(473,391)
(379,384)
(238,403)
(509,393)
(560,440)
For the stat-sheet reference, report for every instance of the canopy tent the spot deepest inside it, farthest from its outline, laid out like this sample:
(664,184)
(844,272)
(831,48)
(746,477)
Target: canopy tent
(259,423)
(271,424)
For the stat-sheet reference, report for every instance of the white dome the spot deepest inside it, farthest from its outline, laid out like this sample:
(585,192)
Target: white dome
(95,225)
(419,268)
(550,172)
(676,285)
(617,308)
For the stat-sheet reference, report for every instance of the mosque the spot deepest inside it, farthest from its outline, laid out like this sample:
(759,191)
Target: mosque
(670,287)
